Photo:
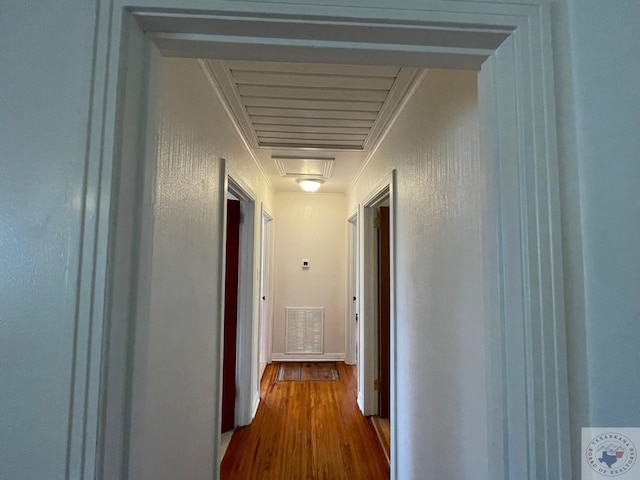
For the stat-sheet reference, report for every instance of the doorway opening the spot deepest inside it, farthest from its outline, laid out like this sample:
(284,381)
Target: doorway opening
(371,359)
(353,295)
(523,198)
(382,225)
(230,326)
(230,315)
(238,337)
(266,290)
(377,324)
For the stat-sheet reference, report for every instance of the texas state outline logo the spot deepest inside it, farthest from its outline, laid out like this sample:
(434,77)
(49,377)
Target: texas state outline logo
(610,453)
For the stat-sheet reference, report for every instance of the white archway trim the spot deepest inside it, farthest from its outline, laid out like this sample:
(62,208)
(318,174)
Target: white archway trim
(509,42)
(266,287)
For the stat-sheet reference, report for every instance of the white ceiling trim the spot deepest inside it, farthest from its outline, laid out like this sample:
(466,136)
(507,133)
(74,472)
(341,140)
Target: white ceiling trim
(395,102)
(221,76)
(411,89)
(206,69)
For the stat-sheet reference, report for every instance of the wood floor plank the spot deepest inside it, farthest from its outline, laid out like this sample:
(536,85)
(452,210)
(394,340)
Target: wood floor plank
(382,427)
(306,430)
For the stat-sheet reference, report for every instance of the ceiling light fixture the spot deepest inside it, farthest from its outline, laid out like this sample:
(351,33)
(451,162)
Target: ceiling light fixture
(310,184)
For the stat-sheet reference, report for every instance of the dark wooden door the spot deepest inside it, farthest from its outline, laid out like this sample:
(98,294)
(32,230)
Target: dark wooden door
(230,317)
(384,303)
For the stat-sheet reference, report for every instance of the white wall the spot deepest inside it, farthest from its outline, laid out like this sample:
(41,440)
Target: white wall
(311,226)
(596,48)
(610,197)
(440,325)
(177,353)
(605,43)
(43,159)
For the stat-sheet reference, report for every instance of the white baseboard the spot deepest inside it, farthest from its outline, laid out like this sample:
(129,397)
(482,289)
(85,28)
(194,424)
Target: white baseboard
(301,357)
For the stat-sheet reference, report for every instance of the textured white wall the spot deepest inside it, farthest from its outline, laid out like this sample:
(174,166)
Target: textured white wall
(311,226)
(440,324)
(175,397)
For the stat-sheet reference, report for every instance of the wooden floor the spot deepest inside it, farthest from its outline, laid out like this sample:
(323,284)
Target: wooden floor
(382,426)
(306,430)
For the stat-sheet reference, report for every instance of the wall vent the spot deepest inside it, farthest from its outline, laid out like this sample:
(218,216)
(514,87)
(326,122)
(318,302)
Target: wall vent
(304,330)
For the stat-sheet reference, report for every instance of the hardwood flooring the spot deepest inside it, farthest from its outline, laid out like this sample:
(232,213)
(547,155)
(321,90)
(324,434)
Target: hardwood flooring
(306,430)
(382,426)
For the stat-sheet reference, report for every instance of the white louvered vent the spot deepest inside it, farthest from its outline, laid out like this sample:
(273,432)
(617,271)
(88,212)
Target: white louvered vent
(305,330)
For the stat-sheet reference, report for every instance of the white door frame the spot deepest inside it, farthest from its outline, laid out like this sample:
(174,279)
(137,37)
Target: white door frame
(368,363)
(353,294)
(509,40)
(266,288)
(245,338)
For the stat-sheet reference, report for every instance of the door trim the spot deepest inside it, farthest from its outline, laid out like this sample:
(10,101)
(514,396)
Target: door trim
(230,316)
(384,302)
(509,40)
(266,258)
(246,386)
(351,328)
(368,362)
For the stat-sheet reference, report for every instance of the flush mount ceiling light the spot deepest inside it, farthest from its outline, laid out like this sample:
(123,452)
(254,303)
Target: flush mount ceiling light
(310,184)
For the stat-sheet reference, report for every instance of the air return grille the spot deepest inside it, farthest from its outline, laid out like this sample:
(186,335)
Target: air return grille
(305,330)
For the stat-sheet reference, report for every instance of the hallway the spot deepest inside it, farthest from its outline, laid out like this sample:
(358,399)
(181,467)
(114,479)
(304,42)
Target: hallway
(306,430)
(111,368)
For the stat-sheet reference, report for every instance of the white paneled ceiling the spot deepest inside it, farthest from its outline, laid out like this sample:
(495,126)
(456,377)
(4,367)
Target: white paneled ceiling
(313,120)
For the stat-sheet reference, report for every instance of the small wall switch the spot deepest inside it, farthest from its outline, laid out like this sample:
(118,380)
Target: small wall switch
(305,264)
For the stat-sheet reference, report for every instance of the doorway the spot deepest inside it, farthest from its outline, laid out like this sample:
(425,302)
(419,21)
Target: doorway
(525,155)
(381,321)
(230,328)
(377,323)
(377,291)
(384,313)
(353,295)
(266,282)
(237,334)
(246,335)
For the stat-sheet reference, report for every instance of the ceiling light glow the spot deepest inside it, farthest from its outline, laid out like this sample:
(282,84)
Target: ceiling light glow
(310,184)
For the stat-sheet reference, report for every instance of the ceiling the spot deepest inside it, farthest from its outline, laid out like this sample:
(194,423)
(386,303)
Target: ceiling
(311,120)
